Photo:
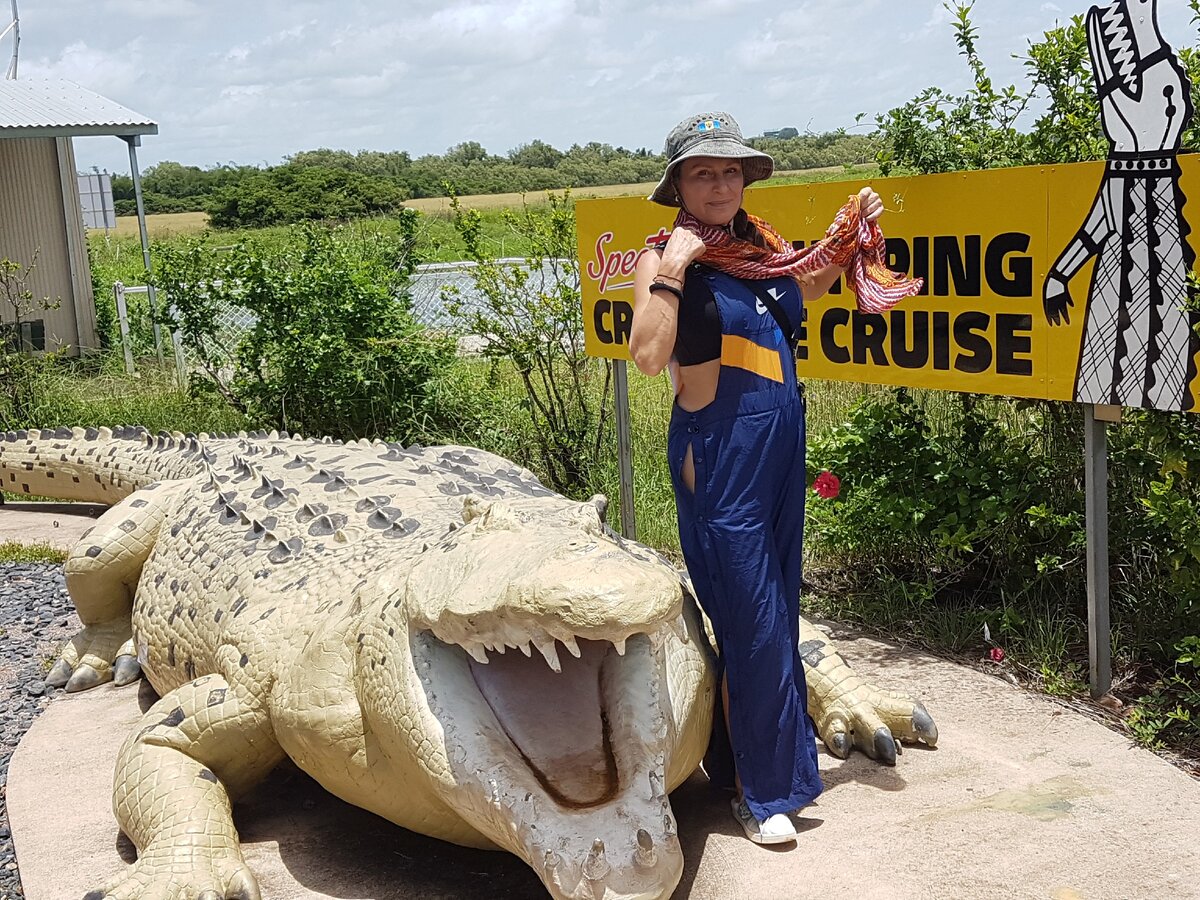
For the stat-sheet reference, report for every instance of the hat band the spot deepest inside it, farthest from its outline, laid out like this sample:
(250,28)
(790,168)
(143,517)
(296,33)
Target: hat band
(715,135)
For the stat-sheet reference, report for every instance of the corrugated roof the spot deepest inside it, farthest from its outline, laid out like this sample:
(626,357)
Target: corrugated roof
(59,108)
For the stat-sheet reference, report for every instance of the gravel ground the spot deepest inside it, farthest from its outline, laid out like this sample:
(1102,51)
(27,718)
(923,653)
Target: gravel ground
(36,617)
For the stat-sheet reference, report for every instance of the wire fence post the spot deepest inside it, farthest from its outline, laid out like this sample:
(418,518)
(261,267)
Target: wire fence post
(123,321)
(177,346)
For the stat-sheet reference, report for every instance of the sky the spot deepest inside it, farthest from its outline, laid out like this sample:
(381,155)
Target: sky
(255,81)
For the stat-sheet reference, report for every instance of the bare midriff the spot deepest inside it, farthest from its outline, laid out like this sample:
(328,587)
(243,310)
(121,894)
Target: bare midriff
(697,388)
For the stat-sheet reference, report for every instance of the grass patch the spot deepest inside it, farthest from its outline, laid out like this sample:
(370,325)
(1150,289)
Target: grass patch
(96,391)
(14,552)
(162,225)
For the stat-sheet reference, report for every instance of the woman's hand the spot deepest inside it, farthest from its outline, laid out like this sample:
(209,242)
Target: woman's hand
(870,204)
(683,249)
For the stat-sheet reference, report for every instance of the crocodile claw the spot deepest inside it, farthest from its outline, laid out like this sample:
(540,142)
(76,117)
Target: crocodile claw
(885,747)
(924,726)
(60,674)
(840,745)
(126,670)
(84,677)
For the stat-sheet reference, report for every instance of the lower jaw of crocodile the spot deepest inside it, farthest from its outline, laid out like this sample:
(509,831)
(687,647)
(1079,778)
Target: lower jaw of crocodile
(565,769)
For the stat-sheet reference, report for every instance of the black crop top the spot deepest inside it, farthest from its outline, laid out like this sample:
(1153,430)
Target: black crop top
(698,328)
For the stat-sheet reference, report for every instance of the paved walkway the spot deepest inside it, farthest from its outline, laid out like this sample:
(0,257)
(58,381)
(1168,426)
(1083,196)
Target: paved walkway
(1023,798)
(56,524)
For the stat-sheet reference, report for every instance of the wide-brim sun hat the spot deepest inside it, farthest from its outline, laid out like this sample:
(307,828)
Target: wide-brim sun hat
(709,134)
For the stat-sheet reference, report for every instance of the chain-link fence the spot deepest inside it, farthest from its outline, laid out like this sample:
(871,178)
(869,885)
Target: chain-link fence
(429,291)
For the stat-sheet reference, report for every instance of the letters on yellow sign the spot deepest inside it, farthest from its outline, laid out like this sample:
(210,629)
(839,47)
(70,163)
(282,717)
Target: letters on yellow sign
(997,314)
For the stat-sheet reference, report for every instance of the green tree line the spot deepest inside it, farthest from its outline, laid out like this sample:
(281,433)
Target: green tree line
(338,184)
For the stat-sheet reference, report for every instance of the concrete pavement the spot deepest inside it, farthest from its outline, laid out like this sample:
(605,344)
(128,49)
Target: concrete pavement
(57,524)
(1022,798)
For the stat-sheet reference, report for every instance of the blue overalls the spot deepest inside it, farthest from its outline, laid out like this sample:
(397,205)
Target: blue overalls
(742,534)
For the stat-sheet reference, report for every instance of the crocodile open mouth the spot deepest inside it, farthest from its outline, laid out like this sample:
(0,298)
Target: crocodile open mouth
(563,761)
(573,730)
(557,721)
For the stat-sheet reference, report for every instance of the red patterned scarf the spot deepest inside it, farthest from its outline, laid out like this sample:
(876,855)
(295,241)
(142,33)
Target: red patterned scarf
(851,243)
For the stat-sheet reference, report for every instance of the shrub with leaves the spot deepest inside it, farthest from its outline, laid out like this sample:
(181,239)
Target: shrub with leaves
(961,508)
(22,371)
(531,314)
(333,348)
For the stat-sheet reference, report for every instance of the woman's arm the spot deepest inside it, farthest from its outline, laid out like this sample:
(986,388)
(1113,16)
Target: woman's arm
(656,313)
(816,285)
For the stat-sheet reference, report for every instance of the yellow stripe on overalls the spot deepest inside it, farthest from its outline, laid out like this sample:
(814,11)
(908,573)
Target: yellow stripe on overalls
(745,354)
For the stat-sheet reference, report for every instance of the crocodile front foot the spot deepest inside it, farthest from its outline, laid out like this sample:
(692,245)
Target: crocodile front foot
(205,870)
(852,713)
(97,654)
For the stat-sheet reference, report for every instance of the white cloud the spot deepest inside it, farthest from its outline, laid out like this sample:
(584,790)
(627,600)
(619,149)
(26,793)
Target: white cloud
(109,72)
(422,75)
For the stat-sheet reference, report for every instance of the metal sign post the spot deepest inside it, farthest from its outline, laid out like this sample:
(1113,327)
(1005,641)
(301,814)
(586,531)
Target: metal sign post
(624,448)
(1095,450)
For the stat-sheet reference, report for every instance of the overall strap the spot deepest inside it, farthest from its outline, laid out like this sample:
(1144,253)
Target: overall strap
(778,313)
(790,334)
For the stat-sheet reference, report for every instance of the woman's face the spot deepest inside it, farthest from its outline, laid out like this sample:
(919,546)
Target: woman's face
(711,188)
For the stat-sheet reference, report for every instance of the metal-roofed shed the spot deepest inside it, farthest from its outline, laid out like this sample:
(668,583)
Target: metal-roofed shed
(40,214)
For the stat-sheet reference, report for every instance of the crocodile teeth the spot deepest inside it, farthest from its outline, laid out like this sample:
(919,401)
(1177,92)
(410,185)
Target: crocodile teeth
(620,645)
(546,648)
(476,651)
(525,648)
(595,867)
(645,856)
(572,647)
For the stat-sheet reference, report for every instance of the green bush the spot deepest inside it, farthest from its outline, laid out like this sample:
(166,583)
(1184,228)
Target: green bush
(333,349)
(957,512)
(292,194)
(531,315)
(937,131)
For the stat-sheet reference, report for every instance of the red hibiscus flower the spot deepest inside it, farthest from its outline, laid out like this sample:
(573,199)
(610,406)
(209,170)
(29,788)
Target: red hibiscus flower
(827,485)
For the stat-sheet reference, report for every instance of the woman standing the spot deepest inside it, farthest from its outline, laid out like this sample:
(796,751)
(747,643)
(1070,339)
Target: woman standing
(719,304)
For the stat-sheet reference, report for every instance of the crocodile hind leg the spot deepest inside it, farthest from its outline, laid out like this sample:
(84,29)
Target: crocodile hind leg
(102,574)
(197,747)
(850,712)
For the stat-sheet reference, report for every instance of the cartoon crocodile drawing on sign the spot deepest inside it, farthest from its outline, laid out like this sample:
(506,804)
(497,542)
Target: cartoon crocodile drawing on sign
(430,633)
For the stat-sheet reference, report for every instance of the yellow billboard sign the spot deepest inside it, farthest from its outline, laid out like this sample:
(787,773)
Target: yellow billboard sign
(1044,282)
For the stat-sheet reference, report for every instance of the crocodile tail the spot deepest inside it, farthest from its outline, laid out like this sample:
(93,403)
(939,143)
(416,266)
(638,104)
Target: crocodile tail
(97,465)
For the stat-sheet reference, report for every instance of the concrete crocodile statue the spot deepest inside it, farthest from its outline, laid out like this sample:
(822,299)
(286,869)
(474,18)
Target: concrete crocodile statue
(430,633)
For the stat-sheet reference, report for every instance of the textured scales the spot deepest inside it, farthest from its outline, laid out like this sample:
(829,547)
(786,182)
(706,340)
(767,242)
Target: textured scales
(430,633)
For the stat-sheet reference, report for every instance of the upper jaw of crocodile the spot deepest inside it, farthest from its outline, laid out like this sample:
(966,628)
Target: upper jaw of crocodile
(501,582)
(560,756)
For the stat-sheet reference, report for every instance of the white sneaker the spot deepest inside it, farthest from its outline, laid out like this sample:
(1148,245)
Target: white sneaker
(778,829)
